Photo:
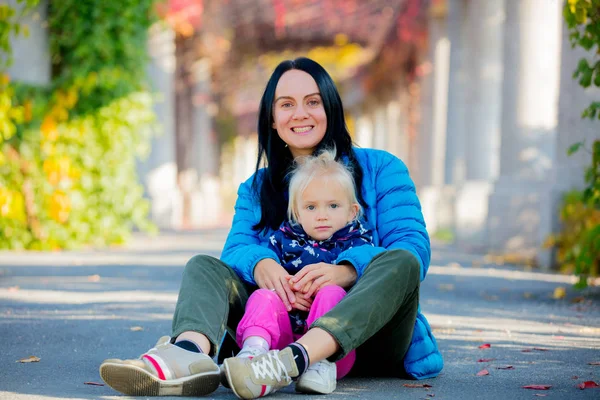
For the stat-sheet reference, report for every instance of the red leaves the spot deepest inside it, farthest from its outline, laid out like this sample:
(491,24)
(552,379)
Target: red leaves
(485,346)
(483,372)
(588,385)
(537,387)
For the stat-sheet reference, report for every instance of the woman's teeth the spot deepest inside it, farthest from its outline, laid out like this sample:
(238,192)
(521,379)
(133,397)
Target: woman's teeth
(302,130)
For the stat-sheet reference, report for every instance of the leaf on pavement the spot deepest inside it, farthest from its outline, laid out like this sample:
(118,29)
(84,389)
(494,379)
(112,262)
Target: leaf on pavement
(29,359)
(485,346)
(430,394)
(13,289)
(540,349)
(537,387)
(136,328)
(485,359)
(526,351)
(540,395)
(93,383)
(94,278)
(446,287)
(483,372)
(588,385)
(417,385)
(506,367)
(559,293)
(594,363)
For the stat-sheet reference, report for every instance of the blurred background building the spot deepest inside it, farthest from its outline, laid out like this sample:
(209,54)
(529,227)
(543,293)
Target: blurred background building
(476,96)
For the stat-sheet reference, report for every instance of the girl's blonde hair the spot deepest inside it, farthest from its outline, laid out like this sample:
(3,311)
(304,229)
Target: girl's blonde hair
(307,168)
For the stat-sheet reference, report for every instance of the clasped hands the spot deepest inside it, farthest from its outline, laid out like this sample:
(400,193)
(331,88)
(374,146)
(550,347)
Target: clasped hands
(297,291)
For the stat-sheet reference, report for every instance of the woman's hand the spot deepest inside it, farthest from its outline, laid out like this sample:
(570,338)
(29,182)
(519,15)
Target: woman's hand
(269,274)
(322,274)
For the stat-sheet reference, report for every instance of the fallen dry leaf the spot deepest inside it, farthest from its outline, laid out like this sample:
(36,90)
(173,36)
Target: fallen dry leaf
(430,394)
(540,349)
(483,372)
(485,346)
(93,383)
(447,287)
(588,385)
(540,395)
(136,328)
(29,359)
(537,387)
(485,359)
(13,289)
(594,363)
(559,293)
(94,278)
(577,299)
(575,377)
(527,295)
(417,385)
(506,367)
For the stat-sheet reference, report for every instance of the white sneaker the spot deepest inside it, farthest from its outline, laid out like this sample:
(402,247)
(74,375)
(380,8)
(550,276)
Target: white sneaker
(319,378)
(247,352)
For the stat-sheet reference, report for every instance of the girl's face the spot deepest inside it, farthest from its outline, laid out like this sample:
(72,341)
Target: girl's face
(324,208)
(298,112)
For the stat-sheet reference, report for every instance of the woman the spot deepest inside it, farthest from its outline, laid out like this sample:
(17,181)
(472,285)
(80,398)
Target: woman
(300,114)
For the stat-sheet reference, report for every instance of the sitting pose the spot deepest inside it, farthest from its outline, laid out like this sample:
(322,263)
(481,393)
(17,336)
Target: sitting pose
(325,221)
(300,114)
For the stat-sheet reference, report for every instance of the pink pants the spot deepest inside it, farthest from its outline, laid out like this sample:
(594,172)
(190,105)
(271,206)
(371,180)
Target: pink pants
(267,317)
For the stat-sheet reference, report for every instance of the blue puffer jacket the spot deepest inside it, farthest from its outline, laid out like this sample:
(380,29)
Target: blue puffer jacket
(395,212)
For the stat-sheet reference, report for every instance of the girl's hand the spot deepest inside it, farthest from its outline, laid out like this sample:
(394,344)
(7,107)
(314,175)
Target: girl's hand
(322,274)
(269,274)
(302,303)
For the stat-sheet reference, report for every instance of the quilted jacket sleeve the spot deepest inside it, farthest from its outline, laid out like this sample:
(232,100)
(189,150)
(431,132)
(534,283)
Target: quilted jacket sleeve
(244,247)
(400,222)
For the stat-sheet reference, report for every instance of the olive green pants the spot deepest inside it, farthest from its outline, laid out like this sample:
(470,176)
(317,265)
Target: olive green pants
(376,317)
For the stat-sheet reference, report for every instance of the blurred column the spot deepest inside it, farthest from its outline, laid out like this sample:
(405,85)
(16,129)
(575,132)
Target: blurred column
(31,54)
(434,154)
(521,206)
(484,74)
(454,163)
(364,130)
(159,171)
(205,206)
(380,127)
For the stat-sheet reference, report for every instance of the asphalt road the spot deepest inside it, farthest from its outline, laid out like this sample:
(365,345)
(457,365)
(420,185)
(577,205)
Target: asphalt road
(74,309)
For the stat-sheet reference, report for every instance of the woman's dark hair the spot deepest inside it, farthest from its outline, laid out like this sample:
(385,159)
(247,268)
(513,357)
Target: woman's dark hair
(279,159)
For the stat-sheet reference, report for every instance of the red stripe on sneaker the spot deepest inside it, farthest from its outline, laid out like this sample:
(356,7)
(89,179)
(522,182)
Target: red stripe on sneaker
(262,391)
(157,367)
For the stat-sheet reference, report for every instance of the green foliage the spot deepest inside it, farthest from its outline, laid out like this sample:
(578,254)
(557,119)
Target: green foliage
(10,26)
(68,163)
(578,244)
(583,21)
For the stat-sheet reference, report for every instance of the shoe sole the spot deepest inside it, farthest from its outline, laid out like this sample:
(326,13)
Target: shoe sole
(135,381)
(309,390)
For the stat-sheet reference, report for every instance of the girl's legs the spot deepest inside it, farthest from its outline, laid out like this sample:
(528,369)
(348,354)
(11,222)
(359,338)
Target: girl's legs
(266,317)
(385,299)
(211,297)
(327,298)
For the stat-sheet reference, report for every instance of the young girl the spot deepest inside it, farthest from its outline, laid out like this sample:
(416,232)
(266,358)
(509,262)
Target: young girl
(324,220)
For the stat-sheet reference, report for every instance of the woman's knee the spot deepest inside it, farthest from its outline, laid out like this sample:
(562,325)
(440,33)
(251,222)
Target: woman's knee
(397,264)
(202,264)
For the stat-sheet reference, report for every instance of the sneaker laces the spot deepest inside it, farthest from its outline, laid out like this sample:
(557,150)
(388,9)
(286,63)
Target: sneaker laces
(270,366)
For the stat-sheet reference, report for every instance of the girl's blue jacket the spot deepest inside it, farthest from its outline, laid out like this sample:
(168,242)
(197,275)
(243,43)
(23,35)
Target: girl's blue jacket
(395,214)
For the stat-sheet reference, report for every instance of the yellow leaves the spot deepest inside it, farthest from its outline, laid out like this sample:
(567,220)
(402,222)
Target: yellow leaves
(49,129)
(60,206)
(12,205)
(559,293)
(57,169)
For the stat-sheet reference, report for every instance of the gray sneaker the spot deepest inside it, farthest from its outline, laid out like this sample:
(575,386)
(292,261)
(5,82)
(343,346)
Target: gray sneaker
(165,370)
(320,378)
(261,375)
(246,352)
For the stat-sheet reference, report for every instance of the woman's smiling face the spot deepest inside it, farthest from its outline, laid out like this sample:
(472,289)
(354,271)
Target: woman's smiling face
(298,113)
